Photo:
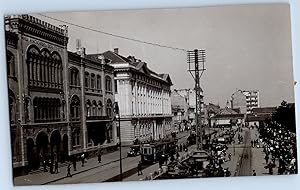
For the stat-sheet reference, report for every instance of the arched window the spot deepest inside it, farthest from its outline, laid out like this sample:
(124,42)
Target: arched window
(86,81)
(109,108)
(46,109)
(76,137)
(59,70)
(88,108)
(44,68)
(100,108)
(11,70)
(98,82)
(33,65)
(93,81)
(108,86)
(74,77)
(94,107)
(75,105)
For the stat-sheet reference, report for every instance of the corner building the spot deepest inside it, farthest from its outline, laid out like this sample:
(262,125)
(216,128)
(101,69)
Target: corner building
(53,114)
(144,99)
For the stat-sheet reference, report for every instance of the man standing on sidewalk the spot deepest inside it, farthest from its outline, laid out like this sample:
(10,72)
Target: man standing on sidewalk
(69,170)
(140,168)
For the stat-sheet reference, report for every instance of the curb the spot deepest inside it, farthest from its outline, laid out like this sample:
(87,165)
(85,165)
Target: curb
(55,180)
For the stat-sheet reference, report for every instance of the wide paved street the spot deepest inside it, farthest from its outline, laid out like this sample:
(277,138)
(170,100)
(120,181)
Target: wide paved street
(244,159)
(107,170)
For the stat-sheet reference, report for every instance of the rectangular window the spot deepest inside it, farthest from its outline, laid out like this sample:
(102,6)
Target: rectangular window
(118,130)
(116,86)
(98,82)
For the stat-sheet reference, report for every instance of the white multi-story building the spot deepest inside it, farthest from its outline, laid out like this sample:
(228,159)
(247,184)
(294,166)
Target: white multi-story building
(252,99)
(245,100)
(143,96)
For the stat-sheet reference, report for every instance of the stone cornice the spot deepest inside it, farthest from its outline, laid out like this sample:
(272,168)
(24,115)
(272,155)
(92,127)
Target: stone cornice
(33,26)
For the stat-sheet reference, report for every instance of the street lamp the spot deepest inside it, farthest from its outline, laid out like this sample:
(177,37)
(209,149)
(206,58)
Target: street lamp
(117,113)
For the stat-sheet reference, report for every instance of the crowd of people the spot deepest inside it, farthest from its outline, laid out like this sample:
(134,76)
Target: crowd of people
(279,145)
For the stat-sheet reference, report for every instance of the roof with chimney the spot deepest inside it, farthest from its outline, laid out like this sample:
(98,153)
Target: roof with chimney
(115,58)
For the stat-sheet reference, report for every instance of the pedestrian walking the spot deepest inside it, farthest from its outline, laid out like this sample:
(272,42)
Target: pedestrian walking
(254,173)
(82,160)
(266,158)
(69,170)
(140,168)
(51,166)
(74,163)
(56,167)
(45,166)
(99,156)
(229,156)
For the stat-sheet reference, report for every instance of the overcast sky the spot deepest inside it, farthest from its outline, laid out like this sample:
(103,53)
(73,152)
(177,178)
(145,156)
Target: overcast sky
(248,47)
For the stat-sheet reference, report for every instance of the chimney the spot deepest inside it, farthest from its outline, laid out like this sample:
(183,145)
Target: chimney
(116,50)
(78,46)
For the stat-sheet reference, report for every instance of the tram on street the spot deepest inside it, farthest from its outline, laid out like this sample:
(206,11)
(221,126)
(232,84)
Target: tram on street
(153,152)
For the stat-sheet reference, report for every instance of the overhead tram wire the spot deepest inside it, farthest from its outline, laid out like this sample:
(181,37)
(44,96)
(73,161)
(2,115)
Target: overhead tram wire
(115,35)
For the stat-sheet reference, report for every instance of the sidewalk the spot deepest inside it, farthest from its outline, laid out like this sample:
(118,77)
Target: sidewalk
(108,161)
(41,178)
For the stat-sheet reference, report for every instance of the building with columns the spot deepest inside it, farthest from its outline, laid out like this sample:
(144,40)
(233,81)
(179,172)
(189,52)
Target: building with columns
(60,103)
(143,96)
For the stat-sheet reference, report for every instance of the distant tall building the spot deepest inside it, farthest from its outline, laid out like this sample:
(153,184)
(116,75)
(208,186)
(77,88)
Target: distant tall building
(245,100)
(252,99)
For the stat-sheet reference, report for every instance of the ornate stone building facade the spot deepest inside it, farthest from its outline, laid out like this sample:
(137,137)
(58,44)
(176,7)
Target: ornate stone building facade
(52,100)
(144,99)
